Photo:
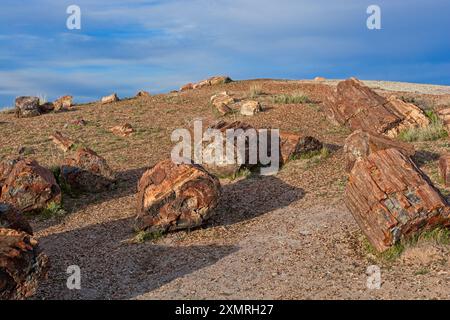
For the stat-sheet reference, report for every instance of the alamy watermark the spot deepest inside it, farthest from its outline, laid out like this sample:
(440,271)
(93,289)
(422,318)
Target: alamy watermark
(74,20)
(374,20)
(74,280)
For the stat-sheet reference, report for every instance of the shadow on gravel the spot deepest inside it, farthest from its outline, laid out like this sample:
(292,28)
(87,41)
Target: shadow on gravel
(252,197)
(111,269)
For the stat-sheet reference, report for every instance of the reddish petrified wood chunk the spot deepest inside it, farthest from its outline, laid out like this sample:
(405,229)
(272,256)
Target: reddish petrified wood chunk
(444,166)
(391,198)
(175,196)
(360,144)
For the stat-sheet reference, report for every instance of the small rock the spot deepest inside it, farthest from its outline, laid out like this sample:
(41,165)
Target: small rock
(63,103)
(319,79)
(47,107)
(187,87)
(25,151)
(63,142)
(250,108)
(222,102)
(143,94)
(123,131)
(11,218)
(110,99)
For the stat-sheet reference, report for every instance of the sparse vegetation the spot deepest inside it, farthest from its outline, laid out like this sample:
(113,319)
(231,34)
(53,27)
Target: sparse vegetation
(434,131)
(53,210)
(293,98)
(144,236)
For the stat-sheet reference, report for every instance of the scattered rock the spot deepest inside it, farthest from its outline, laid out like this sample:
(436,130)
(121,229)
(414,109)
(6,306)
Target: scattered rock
(29,187)
(175,196)
(110,99)
(390,198)
(86,171)
(214,81)
(223,102)
(79,122)
(319,79)
(62,141)
(143,94)
(444,167)
(123,131)
(360,144)
(294,145)
(10,218)
(250,108)
(22,264)
(27,107)
(63,103)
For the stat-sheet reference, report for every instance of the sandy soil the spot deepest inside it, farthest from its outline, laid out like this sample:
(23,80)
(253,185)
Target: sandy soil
(281,237)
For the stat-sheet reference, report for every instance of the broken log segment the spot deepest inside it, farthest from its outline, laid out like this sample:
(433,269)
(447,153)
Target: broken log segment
(62,141)
(175,196)
(390,199)
(444,167)
(361,143)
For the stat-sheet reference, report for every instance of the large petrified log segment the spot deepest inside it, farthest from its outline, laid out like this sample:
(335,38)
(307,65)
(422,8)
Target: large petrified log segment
(293,145)
(360,144)
(175,196)
(444,115)
(87,171)
(390,198)
(27,107)
(30,187)
(444,166)
(238,135)
(10,218)
(22,264)
(357,106)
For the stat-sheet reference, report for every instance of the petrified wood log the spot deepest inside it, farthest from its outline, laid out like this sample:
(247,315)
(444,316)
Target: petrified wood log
(390,198)
(357,106)
(293,145)
(444,166)
(124,130)
(27,107)
(241,134)
(361,143)
(10,218)
(175,196)
(87,171)
(63,103)
(30,187)
(62,141)
(22,264)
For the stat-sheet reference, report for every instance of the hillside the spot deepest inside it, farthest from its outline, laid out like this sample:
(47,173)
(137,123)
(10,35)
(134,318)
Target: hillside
(288,236)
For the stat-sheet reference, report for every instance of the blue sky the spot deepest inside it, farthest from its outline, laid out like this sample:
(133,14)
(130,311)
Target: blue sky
(126,46)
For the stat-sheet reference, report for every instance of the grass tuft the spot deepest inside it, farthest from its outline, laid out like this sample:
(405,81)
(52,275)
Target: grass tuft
(53,210)
(434,131)
(144,236)
(293,98)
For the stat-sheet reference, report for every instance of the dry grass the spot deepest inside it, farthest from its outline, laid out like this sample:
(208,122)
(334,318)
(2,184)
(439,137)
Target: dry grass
(255,91)
(293,98)
(434,131)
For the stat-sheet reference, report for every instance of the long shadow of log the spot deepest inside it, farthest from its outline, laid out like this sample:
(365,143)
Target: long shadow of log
(423,157)
(253,197)
(113,269)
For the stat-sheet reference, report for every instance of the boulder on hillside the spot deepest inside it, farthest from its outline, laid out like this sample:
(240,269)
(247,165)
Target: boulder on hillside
(63,103)
(175,196)
(86,171)
(390,199)
(27,107)
(186,87)
(22,264)
(110,99)
(357,106)
(124,130)
(29,187)
(250,108)
(241,135)
(361,143)
(444,167)
(11,218)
